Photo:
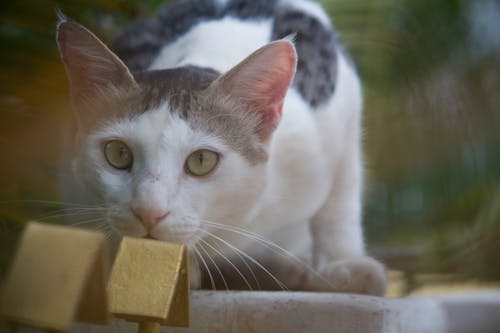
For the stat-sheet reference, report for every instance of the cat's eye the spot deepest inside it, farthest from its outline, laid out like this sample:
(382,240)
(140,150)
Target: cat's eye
(201,162)
(118,154)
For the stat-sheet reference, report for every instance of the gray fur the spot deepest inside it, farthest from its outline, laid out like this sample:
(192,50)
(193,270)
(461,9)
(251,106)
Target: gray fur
(317,45)
(250,9)
(151,89)
(316,50)
(172,84)
(141,42)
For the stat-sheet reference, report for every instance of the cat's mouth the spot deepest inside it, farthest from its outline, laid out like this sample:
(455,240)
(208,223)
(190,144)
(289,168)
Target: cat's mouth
(179,238)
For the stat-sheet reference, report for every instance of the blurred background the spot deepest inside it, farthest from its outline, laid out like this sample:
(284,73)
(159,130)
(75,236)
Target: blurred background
(431,73)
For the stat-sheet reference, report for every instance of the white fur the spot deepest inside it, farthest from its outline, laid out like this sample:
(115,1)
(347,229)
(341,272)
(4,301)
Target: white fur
(235,40)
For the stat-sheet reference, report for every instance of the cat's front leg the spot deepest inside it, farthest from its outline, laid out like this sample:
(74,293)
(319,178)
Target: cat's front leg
(337,237)
(341,264)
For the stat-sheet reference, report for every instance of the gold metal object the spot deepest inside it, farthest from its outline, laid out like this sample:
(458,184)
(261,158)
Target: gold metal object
(58,275)
(149,284)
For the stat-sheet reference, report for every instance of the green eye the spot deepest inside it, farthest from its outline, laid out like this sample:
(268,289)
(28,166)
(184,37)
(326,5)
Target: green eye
(201,162)
(118,154)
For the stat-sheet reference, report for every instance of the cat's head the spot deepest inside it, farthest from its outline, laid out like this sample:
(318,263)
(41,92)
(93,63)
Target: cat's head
(168,151)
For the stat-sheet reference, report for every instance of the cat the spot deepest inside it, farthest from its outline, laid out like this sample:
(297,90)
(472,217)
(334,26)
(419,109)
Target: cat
(233,127)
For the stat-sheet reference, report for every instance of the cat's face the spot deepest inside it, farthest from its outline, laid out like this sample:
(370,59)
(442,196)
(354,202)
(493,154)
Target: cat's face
(160,176)
(168,152)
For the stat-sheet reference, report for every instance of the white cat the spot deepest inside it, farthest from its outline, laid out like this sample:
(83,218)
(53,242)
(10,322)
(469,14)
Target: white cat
(200,129)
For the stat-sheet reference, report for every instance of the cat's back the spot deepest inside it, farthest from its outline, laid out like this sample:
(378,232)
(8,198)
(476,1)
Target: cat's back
(218,34)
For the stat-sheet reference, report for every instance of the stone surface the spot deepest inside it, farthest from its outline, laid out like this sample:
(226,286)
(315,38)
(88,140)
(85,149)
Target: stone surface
(277,312)
(472,312)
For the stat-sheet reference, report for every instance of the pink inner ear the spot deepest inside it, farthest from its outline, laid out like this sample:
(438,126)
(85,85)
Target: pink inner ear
(273,72)
(88,61)
(262,81)
(270,121)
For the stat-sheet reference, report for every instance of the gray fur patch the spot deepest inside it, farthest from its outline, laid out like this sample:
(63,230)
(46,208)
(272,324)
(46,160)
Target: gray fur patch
(138,45)
(317,45)
(254,9)
(172,84)
(152,89)
(316,49)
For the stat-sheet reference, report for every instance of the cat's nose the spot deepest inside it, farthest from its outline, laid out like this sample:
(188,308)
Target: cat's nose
(149,217)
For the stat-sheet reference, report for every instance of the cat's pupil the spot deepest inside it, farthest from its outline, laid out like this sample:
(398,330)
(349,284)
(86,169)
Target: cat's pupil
(201,162)
(123,153)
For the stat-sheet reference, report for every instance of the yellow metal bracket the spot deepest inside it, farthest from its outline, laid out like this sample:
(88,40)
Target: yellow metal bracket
(58,275)
(149,284)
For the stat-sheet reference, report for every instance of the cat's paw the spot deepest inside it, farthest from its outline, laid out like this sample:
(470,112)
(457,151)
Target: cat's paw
(362,275)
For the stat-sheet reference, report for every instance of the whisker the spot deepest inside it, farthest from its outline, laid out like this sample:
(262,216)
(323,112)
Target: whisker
(105,229)
(249,269)
(243,232)
(108,234)
(229,261)
(275,248)
(64,213)
(215,265)
(212,282)
(276,280)
(89,221)
(268,244)
(47,202)
(100,226)
(113,232)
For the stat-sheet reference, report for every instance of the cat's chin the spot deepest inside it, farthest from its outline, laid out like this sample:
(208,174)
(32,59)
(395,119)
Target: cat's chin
(184,239)
(148,236)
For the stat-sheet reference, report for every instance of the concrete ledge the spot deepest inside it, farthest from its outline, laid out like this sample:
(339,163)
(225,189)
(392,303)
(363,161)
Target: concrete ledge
(472,312)
(277,312)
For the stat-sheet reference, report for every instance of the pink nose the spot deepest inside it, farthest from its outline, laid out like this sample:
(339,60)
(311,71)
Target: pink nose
(150,217)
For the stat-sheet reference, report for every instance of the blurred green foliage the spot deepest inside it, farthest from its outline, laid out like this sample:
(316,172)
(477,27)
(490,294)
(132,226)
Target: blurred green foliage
(431,73)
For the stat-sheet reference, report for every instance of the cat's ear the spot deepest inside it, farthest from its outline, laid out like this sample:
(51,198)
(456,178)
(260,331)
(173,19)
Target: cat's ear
(261,82)
(89,63)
